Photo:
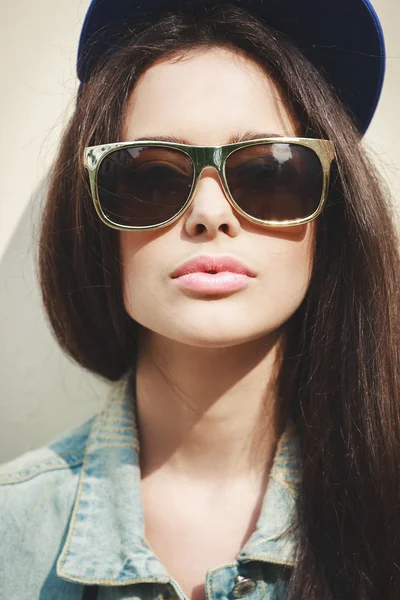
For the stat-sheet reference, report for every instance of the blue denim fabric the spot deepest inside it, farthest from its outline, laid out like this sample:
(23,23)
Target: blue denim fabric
(71,514)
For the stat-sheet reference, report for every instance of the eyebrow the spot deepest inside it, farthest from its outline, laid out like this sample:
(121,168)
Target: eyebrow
(234,139)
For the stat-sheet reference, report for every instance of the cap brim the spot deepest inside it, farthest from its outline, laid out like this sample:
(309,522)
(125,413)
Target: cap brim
(343,38)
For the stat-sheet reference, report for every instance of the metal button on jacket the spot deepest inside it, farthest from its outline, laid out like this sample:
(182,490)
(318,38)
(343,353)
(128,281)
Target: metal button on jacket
(243,587)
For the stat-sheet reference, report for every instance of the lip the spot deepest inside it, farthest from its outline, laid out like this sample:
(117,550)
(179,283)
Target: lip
(213,274)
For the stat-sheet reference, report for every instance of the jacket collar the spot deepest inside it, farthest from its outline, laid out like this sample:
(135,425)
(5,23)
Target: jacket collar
(106,542)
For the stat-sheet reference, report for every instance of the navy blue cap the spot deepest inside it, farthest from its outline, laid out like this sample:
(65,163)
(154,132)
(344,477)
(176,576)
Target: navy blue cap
(343,38)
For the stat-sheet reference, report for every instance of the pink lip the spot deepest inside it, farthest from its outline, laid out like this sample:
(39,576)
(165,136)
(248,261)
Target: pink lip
(213,274)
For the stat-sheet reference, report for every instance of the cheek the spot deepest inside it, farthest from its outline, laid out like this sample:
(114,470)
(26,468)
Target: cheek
(288,268)
(141,269)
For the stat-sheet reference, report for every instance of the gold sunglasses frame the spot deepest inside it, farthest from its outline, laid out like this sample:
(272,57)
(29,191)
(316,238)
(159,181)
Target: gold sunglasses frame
(215,156)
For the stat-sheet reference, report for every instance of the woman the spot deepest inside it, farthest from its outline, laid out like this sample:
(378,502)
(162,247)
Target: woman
(217,243)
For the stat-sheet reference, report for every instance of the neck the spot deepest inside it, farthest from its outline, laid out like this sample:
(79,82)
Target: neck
(207,413)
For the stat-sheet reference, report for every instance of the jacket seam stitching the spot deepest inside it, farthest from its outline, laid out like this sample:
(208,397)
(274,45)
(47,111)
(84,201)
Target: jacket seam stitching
(63,556)
(43,467)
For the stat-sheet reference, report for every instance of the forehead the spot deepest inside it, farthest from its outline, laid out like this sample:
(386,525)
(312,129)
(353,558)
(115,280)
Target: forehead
(206,97)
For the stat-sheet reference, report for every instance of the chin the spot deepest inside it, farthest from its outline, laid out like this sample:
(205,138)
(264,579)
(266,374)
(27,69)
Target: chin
(208,337)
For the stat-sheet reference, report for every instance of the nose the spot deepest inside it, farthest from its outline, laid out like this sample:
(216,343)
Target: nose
(210,211)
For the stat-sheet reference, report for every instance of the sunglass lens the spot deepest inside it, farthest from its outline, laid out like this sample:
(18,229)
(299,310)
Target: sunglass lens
(276,181)
(144,186)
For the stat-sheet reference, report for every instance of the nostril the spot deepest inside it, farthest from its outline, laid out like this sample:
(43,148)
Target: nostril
(200,228)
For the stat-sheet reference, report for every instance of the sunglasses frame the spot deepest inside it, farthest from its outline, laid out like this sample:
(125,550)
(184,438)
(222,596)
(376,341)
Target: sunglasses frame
(215,156)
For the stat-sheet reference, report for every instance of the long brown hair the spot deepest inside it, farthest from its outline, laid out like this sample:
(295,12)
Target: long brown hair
(339,378)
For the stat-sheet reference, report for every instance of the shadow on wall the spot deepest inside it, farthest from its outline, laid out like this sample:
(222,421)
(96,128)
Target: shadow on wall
(42,392)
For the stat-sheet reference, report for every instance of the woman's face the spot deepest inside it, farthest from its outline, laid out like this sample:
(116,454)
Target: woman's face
(206,99)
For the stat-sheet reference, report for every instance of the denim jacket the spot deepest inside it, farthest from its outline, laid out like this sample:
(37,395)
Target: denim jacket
(71,516)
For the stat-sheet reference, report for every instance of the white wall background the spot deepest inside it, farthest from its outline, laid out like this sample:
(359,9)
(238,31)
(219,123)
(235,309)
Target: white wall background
(42,393)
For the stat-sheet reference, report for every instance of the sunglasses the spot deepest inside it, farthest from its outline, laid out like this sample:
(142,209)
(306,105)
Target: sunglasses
(270,181)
